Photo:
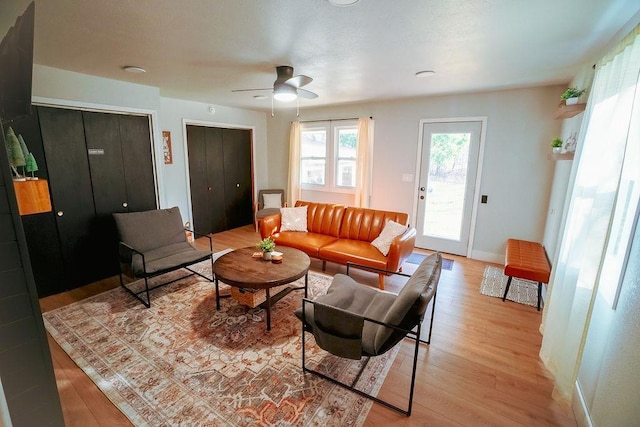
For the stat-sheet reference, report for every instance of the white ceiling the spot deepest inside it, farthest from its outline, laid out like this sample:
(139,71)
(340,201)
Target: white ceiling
(202,49)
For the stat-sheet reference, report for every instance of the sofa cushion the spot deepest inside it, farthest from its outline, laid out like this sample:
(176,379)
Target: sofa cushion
(390,231)
(306,242)
(272,201)
(342,250)
(148,230)
(293,219)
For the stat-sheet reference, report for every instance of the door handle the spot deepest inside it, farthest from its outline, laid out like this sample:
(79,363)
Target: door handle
(125,204)
(421,197)
(209,188)
(421,188)
(237,185)
(60,213)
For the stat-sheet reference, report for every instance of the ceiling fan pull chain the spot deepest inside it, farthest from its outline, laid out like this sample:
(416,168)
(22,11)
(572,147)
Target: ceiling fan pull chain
(297,107)
(272,115)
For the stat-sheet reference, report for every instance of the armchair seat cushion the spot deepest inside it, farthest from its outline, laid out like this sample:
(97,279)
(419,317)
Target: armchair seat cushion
(266,212)
(167,258)
(346,294)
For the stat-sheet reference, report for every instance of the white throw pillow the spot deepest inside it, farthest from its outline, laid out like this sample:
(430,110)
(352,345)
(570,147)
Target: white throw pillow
(272,201)
(294,219)
(391,230)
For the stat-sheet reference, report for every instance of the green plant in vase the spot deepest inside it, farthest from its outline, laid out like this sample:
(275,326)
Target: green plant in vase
(571,95)
(266,245)
(556,144)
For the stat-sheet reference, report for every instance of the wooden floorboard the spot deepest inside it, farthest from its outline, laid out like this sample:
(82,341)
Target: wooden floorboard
(482,367)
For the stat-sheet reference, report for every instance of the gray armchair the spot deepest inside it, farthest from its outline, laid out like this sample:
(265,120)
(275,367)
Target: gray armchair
(266,206)
(153,243)
(354,321)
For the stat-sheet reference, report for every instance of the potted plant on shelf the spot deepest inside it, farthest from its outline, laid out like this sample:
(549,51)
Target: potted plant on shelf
(556,145)
(266,245)
(571,95)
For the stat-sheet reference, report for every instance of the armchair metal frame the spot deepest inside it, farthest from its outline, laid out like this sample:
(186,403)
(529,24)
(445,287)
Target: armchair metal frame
(127,252)
(409,334)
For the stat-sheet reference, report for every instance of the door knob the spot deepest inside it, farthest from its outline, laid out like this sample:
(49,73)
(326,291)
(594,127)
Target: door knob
(60,213)
(209,188)
(125,204)
(421,188)
(421,197)
(238,185)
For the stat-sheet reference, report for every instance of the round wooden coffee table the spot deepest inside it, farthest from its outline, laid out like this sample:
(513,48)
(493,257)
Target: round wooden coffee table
(238,268)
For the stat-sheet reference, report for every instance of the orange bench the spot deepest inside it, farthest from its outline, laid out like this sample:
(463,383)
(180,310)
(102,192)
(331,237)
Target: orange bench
(526,260)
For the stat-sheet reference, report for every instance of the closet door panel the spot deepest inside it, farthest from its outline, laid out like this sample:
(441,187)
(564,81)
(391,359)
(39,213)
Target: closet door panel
(237,168)
(71,194)
(196,147)
(137,159)
(216,179)
(102,133)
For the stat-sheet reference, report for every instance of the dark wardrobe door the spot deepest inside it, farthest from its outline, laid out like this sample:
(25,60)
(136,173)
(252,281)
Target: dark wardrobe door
(138,162)
(206,174)
(70,186)
(237,177)
(119,149)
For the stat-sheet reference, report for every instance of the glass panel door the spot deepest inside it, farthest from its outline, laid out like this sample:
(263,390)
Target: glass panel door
(447,183)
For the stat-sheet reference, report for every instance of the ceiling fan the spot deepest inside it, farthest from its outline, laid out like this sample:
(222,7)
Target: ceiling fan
(287,87)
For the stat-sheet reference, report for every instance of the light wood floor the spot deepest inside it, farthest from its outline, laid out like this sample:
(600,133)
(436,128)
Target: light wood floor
(482,367)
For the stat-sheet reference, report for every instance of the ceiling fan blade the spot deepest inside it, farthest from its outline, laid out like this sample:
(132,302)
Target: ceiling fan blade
(307,94)
(299,81)
(250,90)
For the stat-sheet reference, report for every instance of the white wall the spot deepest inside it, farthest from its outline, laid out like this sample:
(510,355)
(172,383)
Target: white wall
(59,87)
(517,173)
(562,174)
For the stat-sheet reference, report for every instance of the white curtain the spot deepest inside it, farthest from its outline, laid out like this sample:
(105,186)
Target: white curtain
(293,186)
(365,162)
(608,136)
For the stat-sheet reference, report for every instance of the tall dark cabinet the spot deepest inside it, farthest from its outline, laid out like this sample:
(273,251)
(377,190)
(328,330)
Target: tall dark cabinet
(221,180)
(97,163)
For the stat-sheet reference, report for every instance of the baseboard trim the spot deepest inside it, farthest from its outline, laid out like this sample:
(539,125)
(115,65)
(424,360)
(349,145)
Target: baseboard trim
(487,256)
(579,406)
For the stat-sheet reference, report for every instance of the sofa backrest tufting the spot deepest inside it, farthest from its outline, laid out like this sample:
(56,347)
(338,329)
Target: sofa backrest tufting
(323,218)
(367,224)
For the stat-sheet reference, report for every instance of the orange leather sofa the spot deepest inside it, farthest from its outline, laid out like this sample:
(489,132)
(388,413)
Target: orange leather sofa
(341,234)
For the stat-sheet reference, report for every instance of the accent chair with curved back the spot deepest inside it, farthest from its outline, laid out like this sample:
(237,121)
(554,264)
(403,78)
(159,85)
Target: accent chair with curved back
(354,321)
(269,205)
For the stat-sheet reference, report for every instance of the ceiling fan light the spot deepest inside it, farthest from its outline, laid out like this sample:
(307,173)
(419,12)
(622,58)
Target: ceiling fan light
(284,93)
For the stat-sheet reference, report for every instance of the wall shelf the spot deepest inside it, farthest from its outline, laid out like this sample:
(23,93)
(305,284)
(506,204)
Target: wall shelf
(567,111)
(561,156)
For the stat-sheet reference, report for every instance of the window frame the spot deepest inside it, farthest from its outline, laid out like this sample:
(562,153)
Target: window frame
(332,129)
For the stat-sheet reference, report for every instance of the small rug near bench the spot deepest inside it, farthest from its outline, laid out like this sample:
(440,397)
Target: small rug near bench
(182,362)
(416,258)
(521,291)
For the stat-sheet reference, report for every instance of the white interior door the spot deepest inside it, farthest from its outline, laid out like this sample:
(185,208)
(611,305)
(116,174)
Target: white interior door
(447,182)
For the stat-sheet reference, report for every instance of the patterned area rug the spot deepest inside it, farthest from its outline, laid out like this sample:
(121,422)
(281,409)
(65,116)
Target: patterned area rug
(521,291)
(182,362)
